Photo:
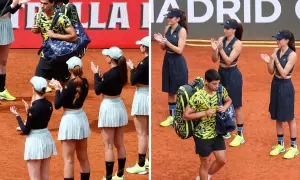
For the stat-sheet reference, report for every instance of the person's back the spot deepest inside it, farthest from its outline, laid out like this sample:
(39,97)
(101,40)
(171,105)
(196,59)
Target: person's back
(65,98)
(74,128)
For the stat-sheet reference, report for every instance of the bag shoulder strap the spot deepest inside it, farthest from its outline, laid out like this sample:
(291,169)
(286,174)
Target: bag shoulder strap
(66,9)
(55,19)
(204,100)
(69,7)
(220,94)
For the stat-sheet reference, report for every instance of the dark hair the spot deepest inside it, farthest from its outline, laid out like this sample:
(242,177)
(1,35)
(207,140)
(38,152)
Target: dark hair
(182,21)
(146,49)
(291,39)
(77,71)
(212,75)
(40,93)
(123,69)
(51,1)
(239,30)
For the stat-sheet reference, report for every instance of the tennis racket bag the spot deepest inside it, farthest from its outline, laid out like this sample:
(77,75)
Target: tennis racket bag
(185,129)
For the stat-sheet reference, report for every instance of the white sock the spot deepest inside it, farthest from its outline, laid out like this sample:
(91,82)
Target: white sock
(209,176)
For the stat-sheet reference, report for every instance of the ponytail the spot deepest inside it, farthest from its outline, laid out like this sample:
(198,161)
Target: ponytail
(182,21)
(123,70)
(291,42)
(239,30)
(41,93)
(77,71)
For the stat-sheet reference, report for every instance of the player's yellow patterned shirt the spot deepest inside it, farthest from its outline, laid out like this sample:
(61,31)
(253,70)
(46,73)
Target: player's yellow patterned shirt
(206,126)
(44,23)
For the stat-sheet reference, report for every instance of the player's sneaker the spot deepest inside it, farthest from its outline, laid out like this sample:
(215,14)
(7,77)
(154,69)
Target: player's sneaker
(167,122)
(277,150)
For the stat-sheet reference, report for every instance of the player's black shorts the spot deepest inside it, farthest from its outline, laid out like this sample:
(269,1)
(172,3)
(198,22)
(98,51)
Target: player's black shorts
(47,70)
(204,147)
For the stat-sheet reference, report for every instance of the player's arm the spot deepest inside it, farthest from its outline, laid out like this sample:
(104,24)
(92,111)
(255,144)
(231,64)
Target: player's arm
(35,28)
(237,49)
(70,35)
(181,42)
(226,99)
(192,114)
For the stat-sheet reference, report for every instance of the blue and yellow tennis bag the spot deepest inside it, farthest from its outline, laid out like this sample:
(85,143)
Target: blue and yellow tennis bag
(185,129)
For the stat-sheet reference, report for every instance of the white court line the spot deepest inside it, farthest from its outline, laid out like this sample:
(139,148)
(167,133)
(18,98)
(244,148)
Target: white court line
(244,45)
(249,42)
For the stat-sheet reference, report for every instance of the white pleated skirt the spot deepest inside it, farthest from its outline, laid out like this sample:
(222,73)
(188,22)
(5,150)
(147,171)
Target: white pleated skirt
(39,144)
(74,125)
(112,113)
(6,31)
(140,105)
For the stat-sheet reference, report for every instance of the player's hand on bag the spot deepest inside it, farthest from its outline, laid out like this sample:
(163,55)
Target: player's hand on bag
(220,109)
(13,110)
(266,58)
(50,34)
(210,112)
(214,44)
(35,29)
(130,64)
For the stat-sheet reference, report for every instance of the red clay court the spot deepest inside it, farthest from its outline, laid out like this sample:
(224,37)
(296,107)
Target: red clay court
(174,158)
(20,68)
